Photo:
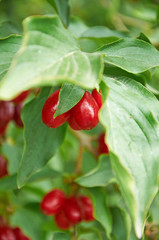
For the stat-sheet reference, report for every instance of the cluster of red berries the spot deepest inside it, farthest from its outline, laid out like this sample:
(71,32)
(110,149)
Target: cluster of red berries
(11,110)
(83,116)
(67,211)
(8,233)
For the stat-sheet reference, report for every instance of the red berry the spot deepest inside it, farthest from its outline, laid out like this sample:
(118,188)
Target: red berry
(73,124)
(49,110)
(3,166)
(102,148)
(84,116)
(21,97)
(62,221)
(53,202)
(6,233)
(17,112)
(19,234)
(97,96)
(87,208)
(6,112)
(72,210)
(3,128)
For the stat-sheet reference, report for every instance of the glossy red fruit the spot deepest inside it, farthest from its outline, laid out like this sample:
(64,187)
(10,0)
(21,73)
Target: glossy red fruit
(6,233)
(98,97)
(17,117)
(102,147)
(84,116)
(72,210)
(53,202)
(49,110)
(19,234)
(3,166)
(6,112)
(21,97)
(62,221)
(87,208)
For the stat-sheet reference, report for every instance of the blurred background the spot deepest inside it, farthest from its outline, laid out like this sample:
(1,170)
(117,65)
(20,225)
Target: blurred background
(133,16)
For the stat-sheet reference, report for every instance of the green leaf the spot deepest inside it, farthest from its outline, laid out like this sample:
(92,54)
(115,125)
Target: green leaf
(154,209)
(7,28)
(143,37)
(103,32)
(13,148)
(115,72)
(77,26)
(8,47)
(61,236)
(152,82)
(121,224)
(49,56)
(92,235)
(130,116)
(100,176)
(157,14)
(132,55)
(89,162)
(114,196)
(62,8)
(30,222)
(45,173)
(41,142)
(98,36)
(101,211)
(69,96)
(8,183)
(90,44)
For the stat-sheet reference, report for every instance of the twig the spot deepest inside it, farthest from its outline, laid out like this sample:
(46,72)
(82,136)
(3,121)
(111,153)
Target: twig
(74,237)
(79,160)
(86,142)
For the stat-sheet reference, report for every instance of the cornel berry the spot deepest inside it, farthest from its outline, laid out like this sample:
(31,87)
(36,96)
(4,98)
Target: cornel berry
(9,233)
(17,117)
(84,116)
(19,234)
(67,211)
(3,166)
(10,110)
(49,110)
(6,115)
(102,147)
(62,221)
(87,208)
(98,97)
(21,97)
(6,112)
(6,233)
(53,202)
(73,210)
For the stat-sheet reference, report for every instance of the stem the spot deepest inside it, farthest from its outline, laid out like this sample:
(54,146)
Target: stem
(86,142)
(74,237)
(79,160)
